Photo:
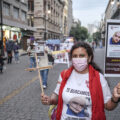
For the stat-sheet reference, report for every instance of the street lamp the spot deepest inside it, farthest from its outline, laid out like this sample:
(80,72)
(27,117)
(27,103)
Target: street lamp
(46,12)
(112,2)
(1,23)
(45,18)
(118,3)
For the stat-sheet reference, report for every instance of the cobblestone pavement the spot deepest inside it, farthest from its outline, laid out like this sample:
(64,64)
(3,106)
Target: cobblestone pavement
(20,91)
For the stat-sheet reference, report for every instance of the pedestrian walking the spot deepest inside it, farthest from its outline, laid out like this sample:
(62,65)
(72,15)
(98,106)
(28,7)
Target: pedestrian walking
(16,52)
(44,73)
(1,63)
(82,92)
(9,49)
(31,54)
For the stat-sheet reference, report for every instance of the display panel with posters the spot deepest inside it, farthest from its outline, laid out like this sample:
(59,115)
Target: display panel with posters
(112,55)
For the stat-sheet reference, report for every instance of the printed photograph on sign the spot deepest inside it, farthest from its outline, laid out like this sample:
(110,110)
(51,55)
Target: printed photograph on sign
(42,57)
(112,55)
(113,44)
(115,39)
(39,48)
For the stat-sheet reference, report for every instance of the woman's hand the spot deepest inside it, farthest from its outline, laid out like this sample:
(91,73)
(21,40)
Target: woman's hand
(45,99)
(116,92)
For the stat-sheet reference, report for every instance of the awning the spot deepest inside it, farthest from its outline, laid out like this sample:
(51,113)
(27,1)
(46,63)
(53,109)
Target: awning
(53,41)
(19,25)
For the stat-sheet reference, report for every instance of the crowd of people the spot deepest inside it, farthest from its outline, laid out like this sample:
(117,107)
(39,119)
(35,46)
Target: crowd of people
(11,49)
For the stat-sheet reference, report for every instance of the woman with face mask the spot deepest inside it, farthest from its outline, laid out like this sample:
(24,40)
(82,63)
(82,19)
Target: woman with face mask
(82,91)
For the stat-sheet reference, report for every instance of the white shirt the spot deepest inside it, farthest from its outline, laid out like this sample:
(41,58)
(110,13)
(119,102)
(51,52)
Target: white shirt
(76,96)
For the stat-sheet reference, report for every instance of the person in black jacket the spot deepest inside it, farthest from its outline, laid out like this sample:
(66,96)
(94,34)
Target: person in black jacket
(1,63)
(9,49)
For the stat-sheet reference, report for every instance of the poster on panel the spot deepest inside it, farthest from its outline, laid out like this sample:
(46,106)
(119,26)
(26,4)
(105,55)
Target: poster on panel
(112,53)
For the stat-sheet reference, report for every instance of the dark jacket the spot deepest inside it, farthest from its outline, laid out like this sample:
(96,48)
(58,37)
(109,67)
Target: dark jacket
(16,48)
(9,45)
(2,60)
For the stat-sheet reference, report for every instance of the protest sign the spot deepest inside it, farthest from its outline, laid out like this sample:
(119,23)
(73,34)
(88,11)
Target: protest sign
(41,61)
(112,54)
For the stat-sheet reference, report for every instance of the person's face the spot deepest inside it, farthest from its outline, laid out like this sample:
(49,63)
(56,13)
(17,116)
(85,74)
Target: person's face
(80,53)
(116,38)
(76,107)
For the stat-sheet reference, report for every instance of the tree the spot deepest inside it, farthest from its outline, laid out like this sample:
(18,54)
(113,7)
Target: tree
(79,33)
(97,37)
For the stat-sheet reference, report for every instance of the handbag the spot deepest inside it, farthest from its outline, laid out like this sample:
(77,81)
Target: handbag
(52,112)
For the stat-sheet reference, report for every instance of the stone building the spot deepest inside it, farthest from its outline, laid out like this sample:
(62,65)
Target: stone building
(112,12)
(48,16)
(67,17)
(15,24)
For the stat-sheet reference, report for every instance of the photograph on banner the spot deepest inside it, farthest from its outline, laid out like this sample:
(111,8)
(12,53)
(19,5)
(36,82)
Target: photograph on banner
(42,58)
(53,44)
(66,46)
(112,58)
(61,57)
(39,47)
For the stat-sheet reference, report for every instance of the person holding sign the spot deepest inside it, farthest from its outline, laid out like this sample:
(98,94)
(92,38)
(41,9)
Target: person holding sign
(44,72)
(31,54)
(82,88)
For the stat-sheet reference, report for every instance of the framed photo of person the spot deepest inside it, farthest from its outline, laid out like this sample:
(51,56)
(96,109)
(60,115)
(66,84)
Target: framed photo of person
(112,53)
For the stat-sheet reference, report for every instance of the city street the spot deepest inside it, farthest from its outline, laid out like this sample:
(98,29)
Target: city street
(20,90)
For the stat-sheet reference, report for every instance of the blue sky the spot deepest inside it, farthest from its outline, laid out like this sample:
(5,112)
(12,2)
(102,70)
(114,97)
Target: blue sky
(89,11)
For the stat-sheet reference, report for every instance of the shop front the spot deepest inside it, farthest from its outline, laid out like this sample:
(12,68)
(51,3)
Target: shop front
(12,33)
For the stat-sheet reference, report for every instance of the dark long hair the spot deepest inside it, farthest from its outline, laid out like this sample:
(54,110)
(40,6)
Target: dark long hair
(89,51)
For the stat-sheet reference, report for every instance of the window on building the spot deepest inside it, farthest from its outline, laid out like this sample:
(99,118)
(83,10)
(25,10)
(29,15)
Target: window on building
(23,15)
(6,9)
(23,1)
(30,5)
(16,12)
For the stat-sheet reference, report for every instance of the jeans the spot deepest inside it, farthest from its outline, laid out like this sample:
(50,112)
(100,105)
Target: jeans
(16,56)
(44,75)
(32,62)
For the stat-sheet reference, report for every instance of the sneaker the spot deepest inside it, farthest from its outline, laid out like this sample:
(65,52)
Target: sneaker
(44,86)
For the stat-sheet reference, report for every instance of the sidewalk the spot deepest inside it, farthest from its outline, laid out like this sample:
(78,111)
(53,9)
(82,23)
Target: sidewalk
(22,52)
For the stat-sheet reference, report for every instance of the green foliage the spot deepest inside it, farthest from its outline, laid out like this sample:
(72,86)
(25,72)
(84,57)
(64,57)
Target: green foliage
(96,37)
(79,33)
(90,39)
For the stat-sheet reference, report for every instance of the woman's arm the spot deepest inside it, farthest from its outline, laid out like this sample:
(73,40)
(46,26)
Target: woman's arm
(49,100)
(113,102)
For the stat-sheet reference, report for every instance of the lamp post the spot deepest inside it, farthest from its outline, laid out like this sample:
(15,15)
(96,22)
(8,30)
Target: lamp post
(45,21)
(112,2)
(45,18)
(1,23)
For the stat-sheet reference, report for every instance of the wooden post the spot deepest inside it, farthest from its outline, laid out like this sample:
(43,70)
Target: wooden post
(39,74)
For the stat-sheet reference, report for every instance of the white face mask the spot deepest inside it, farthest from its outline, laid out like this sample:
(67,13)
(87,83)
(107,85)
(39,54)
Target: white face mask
(79,63)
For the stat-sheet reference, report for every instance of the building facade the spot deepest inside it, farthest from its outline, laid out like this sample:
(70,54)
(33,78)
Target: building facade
(70,16)
(67,17)
(48,19)
(15,24)
(92,28)
(112,12)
